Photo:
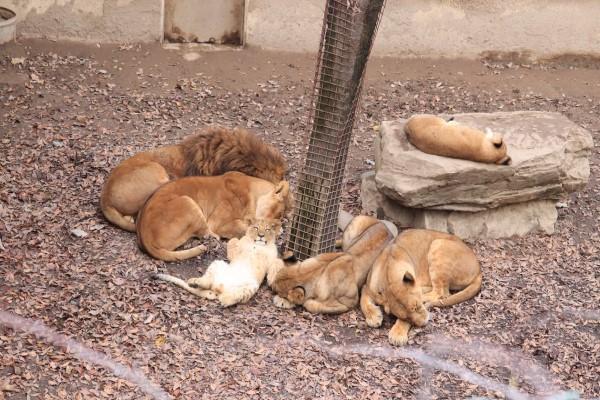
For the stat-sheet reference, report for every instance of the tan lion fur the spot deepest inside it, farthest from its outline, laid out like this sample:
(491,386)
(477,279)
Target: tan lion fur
(416,271)
(250,259)
(219,206)
(330,282)
(212,151)
(434,135)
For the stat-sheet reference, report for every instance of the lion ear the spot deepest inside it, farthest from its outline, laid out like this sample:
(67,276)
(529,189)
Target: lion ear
(296,294)
(282,188)
(408,278)
(289,255)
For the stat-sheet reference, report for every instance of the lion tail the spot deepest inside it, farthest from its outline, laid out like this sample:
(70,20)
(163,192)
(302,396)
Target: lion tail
(174,255)
(114,216)
(158,252)
(172,279)
(207,294)
(467,293)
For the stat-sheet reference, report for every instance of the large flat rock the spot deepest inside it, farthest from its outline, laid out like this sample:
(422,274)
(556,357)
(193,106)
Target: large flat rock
(549,159)
(505,221)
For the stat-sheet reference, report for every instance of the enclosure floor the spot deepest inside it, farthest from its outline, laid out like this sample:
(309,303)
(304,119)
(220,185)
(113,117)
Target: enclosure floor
(69,113)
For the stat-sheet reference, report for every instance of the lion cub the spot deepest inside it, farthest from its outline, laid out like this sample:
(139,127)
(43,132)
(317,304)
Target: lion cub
(416,271)
(434,135)
(250,259)
(330,283)
(219,206)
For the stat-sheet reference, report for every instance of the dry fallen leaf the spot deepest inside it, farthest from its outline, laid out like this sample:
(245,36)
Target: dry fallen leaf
(63,132)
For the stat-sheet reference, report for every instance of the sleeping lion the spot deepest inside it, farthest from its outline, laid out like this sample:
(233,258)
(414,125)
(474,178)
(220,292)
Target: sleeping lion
(212,151)
(416,271)
(434,135)
(330,282)
(199,206)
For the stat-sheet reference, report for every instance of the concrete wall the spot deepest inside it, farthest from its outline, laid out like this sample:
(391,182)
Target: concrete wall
(89,20)
(449,28)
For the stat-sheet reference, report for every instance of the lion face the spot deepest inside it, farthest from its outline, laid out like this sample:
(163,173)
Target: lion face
(494,145)
(287,285)
(276,204)
(296,295)
(405,301)
(264,232)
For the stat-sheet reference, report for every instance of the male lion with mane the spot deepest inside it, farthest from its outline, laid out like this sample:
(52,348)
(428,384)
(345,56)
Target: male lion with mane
(212,151)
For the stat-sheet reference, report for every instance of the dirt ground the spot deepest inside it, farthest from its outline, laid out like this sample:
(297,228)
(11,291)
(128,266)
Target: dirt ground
(69,113)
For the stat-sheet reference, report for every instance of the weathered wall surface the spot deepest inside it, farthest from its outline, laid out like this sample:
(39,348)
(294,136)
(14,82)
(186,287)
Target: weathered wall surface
(448,28)
(89,20)
(434,28)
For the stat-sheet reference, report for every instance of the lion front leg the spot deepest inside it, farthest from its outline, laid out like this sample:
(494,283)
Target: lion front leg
(233,248)
(370,310)
(398,335)
(273,270)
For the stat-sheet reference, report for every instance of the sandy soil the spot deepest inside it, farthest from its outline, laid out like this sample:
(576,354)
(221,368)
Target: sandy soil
(70,112)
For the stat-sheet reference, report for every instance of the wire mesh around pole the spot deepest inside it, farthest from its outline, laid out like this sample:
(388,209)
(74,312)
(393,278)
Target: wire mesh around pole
(349,28)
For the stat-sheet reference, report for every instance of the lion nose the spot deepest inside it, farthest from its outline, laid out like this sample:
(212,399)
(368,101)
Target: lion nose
(422,319)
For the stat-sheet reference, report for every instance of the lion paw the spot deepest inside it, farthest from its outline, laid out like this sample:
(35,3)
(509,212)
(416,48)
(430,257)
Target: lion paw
(280,302)
(196,283)
(397,339)
(210,295)
(375,321)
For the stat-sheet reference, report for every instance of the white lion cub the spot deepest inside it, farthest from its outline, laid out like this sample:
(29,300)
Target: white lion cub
(250,259)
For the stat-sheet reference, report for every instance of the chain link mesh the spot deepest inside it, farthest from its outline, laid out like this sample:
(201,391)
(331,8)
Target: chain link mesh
(349,28)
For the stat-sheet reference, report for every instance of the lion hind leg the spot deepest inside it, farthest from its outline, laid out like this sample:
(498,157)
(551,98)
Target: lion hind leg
(185,220)
(232,296)
(437,293)
(330,306)
(125,222)
(207,279)
(451,265)
(467,293)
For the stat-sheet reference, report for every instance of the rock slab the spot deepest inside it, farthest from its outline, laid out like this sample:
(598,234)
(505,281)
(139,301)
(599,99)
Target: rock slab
(510,220)
(550,157)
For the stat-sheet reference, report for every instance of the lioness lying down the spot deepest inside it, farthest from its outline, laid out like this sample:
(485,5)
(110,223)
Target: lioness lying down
(418,270)
(330,283)
(250,259)
(219,206)
(434,135)
(212,151)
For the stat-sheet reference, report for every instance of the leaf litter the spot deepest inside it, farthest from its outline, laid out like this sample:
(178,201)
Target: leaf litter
(69,113)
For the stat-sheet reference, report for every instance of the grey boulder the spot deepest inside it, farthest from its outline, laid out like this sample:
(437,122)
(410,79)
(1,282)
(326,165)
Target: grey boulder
(549,159)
